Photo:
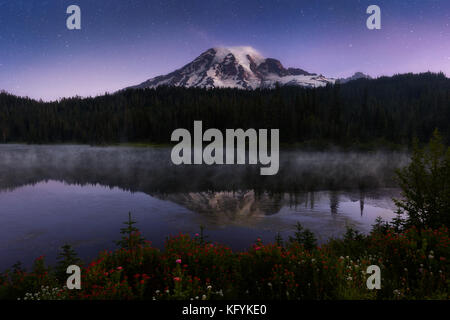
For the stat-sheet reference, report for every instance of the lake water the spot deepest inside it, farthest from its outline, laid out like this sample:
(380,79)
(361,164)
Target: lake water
(52,195)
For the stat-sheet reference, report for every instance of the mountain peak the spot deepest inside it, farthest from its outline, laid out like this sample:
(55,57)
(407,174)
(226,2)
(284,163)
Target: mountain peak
(357,75)
(240,67)
(240,52)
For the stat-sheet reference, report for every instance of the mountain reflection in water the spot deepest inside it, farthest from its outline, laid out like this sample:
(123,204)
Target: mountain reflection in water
(50,195)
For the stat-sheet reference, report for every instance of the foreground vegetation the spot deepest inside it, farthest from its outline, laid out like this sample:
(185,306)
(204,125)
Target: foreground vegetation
(414,265)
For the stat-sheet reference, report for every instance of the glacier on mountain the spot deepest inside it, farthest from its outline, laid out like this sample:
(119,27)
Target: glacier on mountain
(236,67)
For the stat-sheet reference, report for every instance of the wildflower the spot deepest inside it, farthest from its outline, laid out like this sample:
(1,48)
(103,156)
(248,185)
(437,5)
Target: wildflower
(204,297)
(209,287)
(176,279)
(119,268)
(349,278)
(178,261)
(196,298)
(197,235)
(430,256)
(269,284)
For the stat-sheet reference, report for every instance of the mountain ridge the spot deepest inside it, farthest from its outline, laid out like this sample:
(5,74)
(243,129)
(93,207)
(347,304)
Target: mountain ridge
(236,67)
(356,76)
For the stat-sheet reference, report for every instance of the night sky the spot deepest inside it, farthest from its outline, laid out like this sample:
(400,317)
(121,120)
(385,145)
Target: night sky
(123,43)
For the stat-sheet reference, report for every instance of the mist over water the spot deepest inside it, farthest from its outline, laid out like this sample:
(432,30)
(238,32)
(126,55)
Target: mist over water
(51,195)
(150,169)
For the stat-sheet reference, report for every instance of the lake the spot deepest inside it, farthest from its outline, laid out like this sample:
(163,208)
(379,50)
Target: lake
(77,194)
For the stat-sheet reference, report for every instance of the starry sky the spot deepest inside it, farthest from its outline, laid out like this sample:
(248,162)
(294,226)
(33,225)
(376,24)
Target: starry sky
(125,42)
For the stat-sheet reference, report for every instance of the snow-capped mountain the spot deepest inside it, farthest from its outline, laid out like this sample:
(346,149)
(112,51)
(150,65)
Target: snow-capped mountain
(236,67)
(356,76)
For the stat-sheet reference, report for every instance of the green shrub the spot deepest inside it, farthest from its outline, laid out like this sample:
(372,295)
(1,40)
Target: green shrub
(425,185)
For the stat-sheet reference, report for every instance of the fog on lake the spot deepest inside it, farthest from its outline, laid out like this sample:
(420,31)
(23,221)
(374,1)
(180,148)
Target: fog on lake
(52,195)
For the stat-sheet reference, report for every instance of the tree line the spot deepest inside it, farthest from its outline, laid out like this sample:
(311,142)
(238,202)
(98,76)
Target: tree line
(387,110)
